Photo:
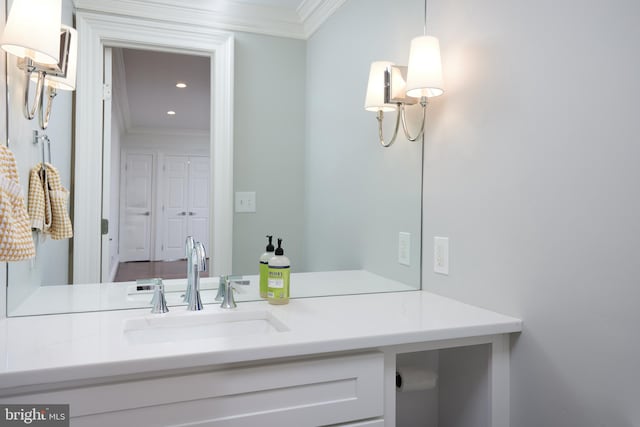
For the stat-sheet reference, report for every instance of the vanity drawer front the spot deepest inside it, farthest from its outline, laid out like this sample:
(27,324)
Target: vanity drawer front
(301,393)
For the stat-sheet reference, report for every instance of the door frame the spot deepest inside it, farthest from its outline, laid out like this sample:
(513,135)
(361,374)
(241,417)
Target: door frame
(100,30)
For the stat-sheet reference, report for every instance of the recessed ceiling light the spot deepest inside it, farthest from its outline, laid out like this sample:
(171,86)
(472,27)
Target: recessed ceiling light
(181,85)
(171,113)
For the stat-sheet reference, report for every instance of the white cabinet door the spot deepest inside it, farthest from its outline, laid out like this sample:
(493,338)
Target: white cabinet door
(175,193)
(137,200)
(302,393)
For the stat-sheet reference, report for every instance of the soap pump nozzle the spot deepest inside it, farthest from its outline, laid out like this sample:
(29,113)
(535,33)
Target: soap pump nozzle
(270,245)
(279,251)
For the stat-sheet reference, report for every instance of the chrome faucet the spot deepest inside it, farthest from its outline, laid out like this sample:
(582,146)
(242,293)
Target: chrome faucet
(188,249)
(225,290)
(198,264)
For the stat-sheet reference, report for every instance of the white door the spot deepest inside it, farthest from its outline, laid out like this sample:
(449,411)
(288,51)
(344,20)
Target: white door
(186,203)
(135,230)
(199,200)
(175,191)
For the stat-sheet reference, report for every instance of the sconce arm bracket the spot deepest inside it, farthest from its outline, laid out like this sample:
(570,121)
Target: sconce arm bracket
(403,113)
(380,118)
(59,70)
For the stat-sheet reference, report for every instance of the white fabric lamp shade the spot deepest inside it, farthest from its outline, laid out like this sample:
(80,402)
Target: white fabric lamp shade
(374,100)
(424,77)
(67,82)
(33,30)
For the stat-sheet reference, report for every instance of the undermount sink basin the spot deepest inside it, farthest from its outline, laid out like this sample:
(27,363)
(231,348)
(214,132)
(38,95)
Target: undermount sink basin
(185,326)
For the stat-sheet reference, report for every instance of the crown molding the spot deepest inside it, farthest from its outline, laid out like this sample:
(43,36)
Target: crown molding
(231,15)
(313,13)
(168,131)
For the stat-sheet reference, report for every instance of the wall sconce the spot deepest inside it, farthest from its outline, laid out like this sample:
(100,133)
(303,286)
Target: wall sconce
(47,52)
(392,87)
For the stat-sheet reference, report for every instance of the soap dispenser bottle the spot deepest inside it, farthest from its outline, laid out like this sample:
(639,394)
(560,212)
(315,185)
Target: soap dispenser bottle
(264,268)
(278,286)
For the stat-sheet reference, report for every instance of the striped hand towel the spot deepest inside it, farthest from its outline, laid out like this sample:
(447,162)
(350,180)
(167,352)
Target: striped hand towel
(16,241)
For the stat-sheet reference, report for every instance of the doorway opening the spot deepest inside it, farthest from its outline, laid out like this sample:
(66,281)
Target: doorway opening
(159,167)
(91,241)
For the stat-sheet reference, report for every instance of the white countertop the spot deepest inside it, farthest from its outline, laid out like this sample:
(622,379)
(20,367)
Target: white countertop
(41,350)
(117,296)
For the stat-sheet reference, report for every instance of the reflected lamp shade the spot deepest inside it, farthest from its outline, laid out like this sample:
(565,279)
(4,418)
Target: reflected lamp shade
(374,100)
(68,81)
(33,30)
(424,77)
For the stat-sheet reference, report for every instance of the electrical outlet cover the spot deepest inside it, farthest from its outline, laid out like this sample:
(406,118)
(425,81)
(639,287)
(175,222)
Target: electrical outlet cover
(441,255)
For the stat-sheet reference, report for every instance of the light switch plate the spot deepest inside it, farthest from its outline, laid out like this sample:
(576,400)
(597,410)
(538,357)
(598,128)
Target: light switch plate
(245,201)
(441,255)
(404,248)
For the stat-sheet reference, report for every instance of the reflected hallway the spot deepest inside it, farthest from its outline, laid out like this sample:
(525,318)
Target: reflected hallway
(129,271)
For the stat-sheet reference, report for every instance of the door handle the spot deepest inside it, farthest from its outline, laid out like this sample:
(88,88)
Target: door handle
(145,213)
(191,213)
(182,214)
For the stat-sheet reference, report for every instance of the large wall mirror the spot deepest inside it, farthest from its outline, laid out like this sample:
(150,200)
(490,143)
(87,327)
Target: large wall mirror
(273,120)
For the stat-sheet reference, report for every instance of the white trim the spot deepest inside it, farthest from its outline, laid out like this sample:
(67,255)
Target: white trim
(121,98)
(390,391)
(313,13)
(172,131)
(221,190)
(500,380)
(106,160)
(157,253)
(119,31)
(228,15)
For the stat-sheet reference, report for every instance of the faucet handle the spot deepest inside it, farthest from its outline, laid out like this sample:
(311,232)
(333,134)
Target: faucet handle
(228,301)
(225,290)
(222,286)
(158,302)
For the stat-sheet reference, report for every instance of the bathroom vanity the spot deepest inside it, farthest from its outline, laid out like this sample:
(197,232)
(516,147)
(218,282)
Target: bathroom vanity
(315,361)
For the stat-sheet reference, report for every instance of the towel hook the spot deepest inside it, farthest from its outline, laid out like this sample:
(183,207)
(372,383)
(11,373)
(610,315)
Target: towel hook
(37,136)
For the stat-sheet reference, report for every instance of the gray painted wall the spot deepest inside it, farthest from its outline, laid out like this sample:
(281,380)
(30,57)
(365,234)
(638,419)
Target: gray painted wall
(269,146)
(30,274)
(359,196)
(532,171)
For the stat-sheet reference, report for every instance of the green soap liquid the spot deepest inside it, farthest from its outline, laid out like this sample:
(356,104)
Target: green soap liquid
(264,279)
(278,286)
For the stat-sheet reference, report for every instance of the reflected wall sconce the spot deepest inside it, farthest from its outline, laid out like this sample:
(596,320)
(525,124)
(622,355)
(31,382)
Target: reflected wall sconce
(47,51)
(392,87)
